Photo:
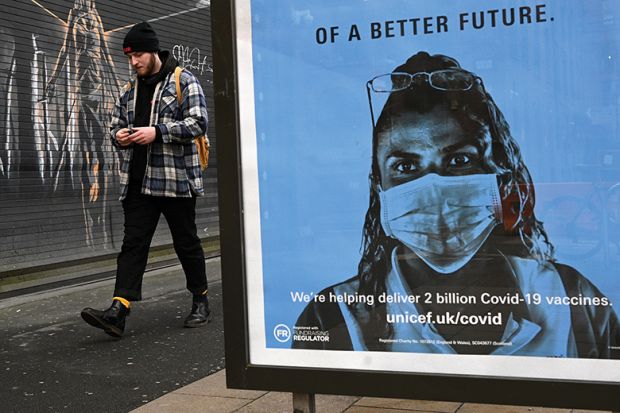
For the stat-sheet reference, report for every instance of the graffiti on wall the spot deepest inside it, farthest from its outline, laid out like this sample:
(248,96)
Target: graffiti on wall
(191,58)
(9,156)
(59,78)
(90,86)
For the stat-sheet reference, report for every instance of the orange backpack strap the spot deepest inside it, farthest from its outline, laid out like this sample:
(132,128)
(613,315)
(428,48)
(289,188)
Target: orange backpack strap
(177,78)
(201,142)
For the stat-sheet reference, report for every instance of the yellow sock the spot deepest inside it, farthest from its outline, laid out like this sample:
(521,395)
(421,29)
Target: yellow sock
(126,303)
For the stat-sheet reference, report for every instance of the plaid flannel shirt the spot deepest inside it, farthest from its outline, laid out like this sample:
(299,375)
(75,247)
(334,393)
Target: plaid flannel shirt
(173,167)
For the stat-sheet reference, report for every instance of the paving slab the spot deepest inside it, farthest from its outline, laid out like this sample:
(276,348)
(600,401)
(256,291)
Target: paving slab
(211,395)
(278,402)
(364,409)
(409,405)
(494,408)
(215,385)
(184,403)
(590,411)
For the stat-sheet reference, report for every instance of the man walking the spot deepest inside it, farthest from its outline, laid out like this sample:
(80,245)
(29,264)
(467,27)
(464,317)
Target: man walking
(160,174)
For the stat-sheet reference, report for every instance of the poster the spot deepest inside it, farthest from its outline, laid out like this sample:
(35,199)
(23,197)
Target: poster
(432,187)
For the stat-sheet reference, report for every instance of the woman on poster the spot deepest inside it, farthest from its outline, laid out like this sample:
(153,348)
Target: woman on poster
(454,260)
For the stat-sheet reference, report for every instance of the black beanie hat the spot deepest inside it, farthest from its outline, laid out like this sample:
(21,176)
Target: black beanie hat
(141,38)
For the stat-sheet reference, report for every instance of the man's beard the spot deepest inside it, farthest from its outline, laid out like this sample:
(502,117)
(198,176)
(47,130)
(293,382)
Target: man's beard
(150,66)
(147,70)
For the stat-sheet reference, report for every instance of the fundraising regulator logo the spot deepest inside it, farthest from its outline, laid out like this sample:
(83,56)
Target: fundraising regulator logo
(282,333)
(310,334)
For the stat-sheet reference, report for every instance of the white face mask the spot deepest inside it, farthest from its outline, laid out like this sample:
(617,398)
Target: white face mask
(443,219)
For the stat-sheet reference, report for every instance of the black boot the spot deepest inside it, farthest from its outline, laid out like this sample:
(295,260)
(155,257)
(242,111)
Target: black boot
(112,320)
(200,313)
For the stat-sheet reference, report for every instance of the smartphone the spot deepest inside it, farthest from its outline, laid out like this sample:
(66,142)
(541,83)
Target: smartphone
(130,129)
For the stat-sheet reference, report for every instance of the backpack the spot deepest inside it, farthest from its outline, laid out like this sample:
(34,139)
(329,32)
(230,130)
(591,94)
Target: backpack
(201,142)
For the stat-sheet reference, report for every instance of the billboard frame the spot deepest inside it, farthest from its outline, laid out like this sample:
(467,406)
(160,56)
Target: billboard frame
(242,374)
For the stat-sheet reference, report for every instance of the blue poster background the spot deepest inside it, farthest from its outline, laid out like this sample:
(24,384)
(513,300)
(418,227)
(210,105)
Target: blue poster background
(556,82)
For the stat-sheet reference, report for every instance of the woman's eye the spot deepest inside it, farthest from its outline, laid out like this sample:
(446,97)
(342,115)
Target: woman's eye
(405,167)
(460,160)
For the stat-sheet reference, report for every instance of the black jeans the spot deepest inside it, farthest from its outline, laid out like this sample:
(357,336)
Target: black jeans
(142,214)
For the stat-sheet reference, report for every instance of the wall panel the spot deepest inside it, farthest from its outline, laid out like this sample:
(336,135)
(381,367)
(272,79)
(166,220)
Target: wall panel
(61,68)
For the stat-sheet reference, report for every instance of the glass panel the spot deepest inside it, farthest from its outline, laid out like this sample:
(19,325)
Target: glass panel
(489,223)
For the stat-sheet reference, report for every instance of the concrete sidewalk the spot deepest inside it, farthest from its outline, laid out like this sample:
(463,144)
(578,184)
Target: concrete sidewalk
(211,395)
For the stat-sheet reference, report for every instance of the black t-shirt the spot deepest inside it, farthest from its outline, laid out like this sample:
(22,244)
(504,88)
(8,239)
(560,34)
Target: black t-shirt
(144,98)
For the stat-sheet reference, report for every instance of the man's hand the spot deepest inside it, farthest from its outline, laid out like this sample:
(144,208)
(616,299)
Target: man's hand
(122,137)
(143,136)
